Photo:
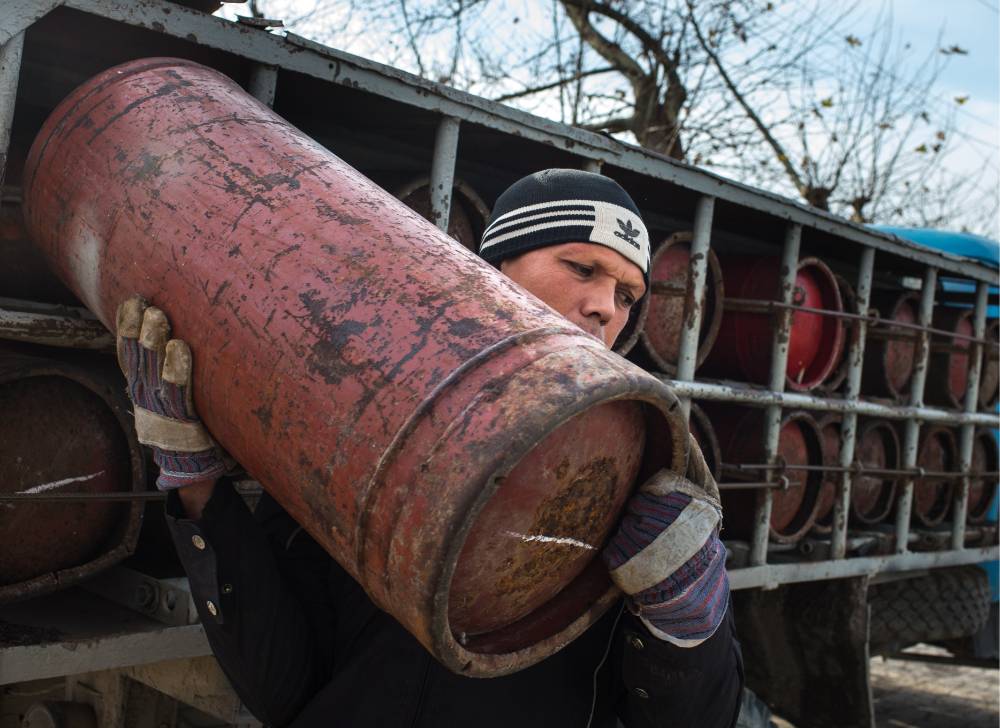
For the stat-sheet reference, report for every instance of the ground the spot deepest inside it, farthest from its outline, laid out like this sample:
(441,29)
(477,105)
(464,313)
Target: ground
(928,695)
(912,694)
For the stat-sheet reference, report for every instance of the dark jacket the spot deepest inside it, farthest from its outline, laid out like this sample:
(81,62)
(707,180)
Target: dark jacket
(304,646)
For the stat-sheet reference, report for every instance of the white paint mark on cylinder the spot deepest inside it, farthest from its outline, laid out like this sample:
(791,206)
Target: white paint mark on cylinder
(552,539)
(59,483)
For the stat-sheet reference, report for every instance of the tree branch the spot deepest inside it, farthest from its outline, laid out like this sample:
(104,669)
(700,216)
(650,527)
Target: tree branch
(609,51)
(779,151)
(554,84)
(651,44)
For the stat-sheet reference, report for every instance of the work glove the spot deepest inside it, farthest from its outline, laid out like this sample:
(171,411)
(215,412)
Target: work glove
(158,372)
(667,556)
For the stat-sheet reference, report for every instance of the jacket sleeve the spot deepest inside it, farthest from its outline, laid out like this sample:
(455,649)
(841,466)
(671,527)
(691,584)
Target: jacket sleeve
(268,636)
(682,687)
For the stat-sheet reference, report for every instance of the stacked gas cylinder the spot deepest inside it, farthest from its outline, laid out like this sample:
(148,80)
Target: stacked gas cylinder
(69,459)
(737,329)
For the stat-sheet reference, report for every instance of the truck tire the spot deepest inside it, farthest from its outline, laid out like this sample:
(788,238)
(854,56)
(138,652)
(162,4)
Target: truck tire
(945,604)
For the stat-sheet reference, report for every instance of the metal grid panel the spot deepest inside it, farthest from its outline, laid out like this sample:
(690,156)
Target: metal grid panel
(271,52)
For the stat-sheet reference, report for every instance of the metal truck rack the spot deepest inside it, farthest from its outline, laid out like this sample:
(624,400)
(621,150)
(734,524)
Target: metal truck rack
(394,126)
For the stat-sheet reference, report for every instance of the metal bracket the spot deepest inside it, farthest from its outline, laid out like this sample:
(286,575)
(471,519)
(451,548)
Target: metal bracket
(165,600)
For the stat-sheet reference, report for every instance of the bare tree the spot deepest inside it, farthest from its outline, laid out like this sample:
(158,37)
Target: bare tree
(821,102)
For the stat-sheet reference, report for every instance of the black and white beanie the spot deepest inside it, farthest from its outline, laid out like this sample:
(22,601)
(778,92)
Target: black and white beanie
(565,206)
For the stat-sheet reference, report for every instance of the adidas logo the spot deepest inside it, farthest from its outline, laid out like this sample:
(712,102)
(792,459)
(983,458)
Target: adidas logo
(627,232)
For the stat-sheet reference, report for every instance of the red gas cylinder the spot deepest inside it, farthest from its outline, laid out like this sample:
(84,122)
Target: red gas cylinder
(889,352)
(932,496)
(743,348)
(458,447)
(829,428)
(664,320)
(989,379)
(66,428)
(948,363)
(849,299)
(983,488)
(877,448)
(793,511)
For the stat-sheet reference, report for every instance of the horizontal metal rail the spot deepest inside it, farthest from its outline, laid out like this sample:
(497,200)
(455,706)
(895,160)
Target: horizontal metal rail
(773,575)
(151,495)
(741,394)
(781,483)
(79,330)
(755,305)
(859,469)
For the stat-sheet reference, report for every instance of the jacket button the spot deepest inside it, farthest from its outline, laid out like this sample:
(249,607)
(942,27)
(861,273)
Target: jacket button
(211,608)
(636,643)
(199,542)
(640,693)
(227,588)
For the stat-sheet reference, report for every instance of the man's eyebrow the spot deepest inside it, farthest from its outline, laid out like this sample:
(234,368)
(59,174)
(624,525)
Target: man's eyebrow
(597,265)
(633,288)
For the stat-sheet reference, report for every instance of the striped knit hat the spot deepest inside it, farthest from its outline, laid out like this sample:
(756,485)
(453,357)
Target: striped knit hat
(565,206)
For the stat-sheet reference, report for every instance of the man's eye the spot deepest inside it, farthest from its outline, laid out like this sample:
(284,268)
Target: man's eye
(625,300)
(583,270)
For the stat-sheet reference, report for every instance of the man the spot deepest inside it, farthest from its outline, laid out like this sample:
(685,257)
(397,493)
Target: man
(300,640)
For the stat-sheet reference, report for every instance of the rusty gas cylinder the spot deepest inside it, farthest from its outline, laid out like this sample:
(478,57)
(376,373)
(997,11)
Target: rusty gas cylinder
(829,429)
(743,347)
(65,429)
(793,511)
(932,495)
(664,321)
(457,446)
(849,300)
(468,214)
(890,351)
(989,379)
(948,362)
(877,448)
(982,488)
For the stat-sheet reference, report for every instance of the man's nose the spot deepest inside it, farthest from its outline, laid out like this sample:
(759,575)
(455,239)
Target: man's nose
(600,303)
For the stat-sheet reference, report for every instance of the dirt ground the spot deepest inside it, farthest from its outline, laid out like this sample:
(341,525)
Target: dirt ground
(926,695)
(912,694)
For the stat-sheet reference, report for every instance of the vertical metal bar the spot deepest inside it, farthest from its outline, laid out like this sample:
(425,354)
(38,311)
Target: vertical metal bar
(263,83)
(443,170)
(849,421)
(593,165)
(687,358)
(10,71)
(967,437)
(779,365)
(911,437)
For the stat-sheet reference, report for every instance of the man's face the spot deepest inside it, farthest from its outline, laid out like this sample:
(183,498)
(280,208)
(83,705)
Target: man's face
(589,284)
